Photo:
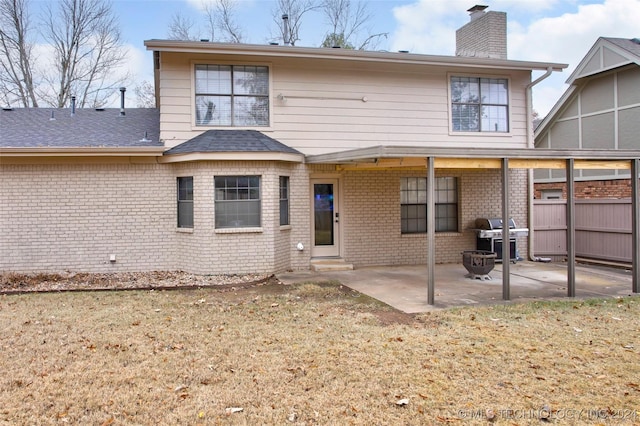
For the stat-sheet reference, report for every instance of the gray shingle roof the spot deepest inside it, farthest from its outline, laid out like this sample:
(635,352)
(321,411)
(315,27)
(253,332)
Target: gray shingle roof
(231,141)
(33,128)
(630,45)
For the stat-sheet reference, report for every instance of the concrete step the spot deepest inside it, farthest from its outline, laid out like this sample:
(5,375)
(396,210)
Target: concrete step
(330,264)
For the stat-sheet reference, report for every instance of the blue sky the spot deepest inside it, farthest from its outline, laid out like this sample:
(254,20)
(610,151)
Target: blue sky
(538,30)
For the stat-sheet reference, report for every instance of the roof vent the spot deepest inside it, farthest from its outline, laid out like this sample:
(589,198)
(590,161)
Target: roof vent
(204,40)
(122,90)
(7,108)
(99,109)
(636,40)
(52,118)
(144,138)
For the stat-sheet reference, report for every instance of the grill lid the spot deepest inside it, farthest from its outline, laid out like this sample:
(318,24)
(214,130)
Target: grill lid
(493,223)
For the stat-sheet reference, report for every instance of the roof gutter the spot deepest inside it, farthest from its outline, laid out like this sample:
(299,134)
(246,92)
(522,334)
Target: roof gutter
(531,144)
(82,151)
(239,49)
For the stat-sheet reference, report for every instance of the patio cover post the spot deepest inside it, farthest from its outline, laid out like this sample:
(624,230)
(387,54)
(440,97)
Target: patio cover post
(635,226)
(571,230)
(506,241)
(431,231)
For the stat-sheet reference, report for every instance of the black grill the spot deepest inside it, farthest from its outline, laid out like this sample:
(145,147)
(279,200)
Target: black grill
(489,237)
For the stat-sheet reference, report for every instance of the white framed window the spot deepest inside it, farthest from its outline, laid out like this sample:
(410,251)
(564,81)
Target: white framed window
(413,204)
(479,104)
(284,200)
(237,201)
(185,202)
(231,95)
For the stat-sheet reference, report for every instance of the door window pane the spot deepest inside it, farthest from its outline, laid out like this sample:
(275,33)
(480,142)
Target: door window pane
(323,213)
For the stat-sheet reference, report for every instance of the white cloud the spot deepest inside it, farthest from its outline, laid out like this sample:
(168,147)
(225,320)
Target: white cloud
(542,30)
(428,27)
(567,38)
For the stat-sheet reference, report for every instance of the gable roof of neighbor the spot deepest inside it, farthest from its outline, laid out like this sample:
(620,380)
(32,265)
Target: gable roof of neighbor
(259,50)
(215,141)
(88,128)
(606,54)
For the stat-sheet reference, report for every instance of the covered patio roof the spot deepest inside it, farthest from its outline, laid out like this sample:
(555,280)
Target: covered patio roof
(431,158)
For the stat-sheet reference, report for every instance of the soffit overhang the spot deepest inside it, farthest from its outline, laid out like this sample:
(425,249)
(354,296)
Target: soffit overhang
(232,156)
(81,152)
(237,49)
(380,157)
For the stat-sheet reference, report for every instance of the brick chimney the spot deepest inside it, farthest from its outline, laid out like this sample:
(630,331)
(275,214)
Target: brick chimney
(485,36)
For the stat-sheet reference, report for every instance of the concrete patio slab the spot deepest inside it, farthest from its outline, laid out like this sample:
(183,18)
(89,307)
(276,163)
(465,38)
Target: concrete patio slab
(405,287)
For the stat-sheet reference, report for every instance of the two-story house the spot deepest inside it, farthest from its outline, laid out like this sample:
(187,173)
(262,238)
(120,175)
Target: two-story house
(266,158)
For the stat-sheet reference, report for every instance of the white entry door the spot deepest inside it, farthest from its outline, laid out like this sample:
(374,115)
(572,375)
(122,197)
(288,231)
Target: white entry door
(325,221)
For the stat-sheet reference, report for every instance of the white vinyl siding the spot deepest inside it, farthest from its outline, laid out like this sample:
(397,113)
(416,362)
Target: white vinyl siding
(327,106)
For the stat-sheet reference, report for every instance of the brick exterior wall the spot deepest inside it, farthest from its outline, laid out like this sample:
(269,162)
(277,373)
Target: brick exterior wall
(618,188)
(68,216)
(73,217)
(371,215)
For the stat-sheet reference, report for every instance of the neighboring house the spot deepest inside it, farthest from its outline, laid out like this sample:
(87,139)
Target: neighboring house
(264,158)
(599,110)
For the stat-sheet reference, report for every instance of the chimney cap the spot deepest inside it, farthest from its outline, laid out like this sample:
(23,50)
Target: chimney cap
(477,8)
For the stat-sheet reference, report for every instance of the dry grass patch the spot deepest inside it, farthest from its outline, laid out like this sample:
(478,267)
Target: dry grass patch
(312,354)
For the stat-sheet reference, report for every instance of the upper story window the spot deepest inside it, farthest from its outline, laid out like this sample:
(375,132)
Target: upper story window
(479,104)
(232,95)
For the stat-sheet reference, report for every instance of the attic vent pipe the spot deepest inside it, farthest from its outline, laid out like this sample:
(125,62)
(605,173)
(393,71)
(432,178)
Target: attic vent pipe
(285,29)
(122,90)
(73,106)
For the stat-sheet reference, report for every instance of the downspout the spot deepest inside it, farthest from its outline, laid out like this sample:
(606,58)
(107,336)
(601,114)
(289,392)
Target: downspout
(531,145)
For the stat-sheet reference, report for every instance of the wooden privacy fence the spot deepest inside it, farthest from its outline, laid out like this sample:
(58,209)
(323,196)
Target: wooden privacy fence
(603,229)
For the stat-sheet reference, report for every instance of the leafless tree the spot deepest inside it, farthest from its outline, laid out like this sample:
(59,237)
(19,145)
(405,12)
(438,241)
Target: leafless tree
(347,21)
(182,28)
(145,95)
(210,18)
(87,48)
(225,21)
(16,54)
(294,10)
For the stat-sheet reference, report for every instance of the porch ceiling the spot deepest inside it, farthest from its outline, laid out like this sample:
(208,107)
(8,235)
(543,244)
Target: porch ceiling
(386,157)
